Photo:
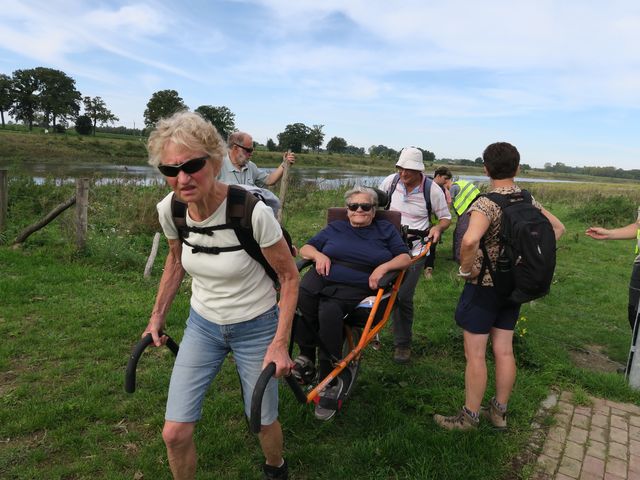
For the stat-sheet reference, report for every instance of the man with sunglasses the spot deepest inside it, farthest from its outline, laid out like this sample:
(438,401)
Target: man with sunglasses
(238,169)
(415,197)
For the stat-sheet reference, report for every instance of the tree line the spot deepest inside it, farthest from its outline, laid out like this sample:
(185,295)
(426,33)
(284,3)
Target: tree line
(48,97)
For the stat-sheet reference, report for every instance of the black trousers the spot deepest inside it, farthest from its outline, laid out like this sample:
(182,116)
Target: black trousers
(323,304)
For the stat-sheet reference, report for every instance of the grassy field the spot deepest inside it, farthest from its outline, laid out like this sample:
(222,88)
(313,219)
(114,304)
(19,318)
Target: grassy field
(68,320)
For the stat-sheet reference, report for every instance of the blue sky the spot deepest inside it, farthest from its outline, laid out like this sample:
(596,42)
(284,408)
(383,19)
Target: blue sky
(558,79)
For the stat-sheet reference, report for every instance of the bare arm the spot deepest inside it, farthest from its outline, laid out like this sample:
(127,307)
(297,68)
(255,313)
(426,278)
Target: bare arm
(436,231)
(399,262)
(276,175)
(280,259)
(478,226)
(622,233)
(322,262)
(169,284)
(558,227)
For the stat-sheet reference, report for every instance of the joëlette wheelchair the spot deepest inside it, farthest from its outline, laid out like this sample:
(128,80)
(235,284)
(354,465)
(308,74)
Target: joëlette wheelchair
(361,327)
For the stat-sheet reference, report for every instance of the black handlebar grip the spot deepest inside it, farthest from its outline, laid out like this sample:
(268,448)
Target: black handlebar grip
(132,364)
(256,399)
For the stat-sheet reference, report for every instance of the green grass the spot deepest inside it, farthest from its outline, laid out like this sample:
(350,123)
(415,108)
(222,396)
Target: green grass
(68,320)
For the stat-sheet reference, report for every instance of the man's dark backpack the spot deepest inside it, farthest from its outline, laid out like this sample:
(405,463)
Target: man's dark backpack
(527,258)
(240,205)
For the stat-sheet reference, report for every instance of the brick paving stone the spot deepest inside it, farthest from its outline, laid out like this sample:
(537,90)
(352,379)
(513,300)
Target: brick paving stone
(634,447)
(597,449)
(580,410)
(570,467)
(600,420)
(616,467)
(618,450)
(558,434)
(634,465)
(580,420)
(574,450)
(553,449)
(561,476)
(611,476)
(562,419)
(547,464)
(579,435)
(590,476)
(598,434)
(617,411)
(634,420)
(593,466)
(634,433)
(625,407)
(566,396)
(618,435)
(565,407)
(619,422)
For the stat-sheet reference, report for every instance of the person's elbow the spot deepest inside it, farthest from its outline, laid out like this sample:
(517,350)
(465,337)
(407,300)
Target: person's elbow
(559,229)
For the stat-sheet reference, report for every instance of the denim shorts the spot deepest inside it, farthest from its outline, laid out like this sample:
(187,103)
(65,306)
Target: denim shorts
(480,309)
(204,347)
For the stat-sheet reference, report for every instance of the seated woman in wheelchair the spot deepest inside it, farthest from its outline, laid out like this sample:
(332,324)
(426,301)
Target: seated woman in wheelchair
(350,256)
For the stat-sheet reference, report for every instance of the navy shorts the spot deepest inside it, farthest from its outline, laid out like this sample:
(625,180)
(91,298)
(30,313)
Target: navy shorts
(480,309)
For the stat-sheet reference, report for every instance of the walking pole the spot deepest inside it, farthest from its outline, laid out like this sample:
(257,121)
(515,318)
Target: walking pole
(283,185)
(632,372)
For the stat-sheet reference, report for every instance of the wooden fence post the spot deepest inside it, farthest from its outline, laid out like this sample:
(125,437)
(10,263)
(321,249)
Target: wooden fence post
(82,205)
(4,198)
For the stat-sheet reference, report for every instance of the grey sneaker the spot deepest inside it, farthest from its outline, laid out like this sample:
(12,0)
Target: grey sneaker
(329,400)
(461,421)
(496,416)
(402,355)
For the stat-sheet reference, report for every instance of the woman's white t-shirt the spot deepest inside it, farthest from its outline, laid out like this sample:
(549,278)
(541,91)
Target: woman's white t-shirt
(230,287)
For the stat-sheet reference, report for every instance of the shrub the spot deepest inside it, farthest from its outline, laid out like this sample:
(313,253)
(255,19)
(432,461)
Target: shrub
(607,212)
(84,125)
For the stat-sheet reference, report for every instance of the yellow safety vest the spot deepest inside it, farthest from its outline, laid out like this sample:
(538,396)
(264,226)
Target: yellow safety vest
(468,192)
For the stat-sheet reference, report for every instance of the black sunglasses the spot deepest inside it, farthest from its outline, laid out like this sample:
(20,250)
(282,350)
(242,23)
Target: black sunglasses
(189,167)
(364,206)
(246,149)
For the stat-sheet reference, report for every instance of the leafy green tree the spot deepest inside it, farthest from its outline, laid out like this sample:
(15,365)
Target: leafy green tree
(352,150)
(58,97)
(427,156)
(478,161)
(84,125)
(294,137)
(336,145)
(25,85)
(271,145)
(315,137)
(221,117)
(382,151)
(6,95)
(162,104)
(97,111)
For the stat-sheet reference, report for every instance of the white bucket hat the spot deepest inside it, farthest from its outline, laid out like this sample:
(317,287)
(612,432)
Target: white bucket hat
(411,159)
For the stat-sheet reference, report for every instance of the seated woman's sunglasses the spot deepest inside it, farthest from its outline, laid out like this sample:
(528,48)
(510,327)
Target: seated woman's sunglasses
(364,206)
(189,167)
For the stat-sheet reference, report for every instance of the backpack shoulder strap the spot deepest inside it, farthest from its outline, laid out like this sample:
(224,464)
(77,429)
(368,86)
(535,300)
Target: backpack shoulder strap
(179,214)
(392,188)
(240,205)
(426,190)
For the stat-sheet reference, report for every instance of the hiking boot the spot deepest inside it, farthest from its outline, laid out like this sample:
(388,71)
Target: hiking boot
(402,355)
(428,273)
(304,371)
(329,400)
(461,421)
(493,413)
(276,473)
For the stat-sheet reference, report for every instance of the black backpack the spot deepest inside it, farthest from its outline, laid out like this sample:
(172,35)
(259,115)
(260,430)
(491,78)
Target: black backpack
(240,205)
(527,258)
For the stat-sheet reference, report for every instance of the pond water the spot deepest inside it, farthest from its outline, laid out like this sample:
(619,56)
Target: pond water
(146,175)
